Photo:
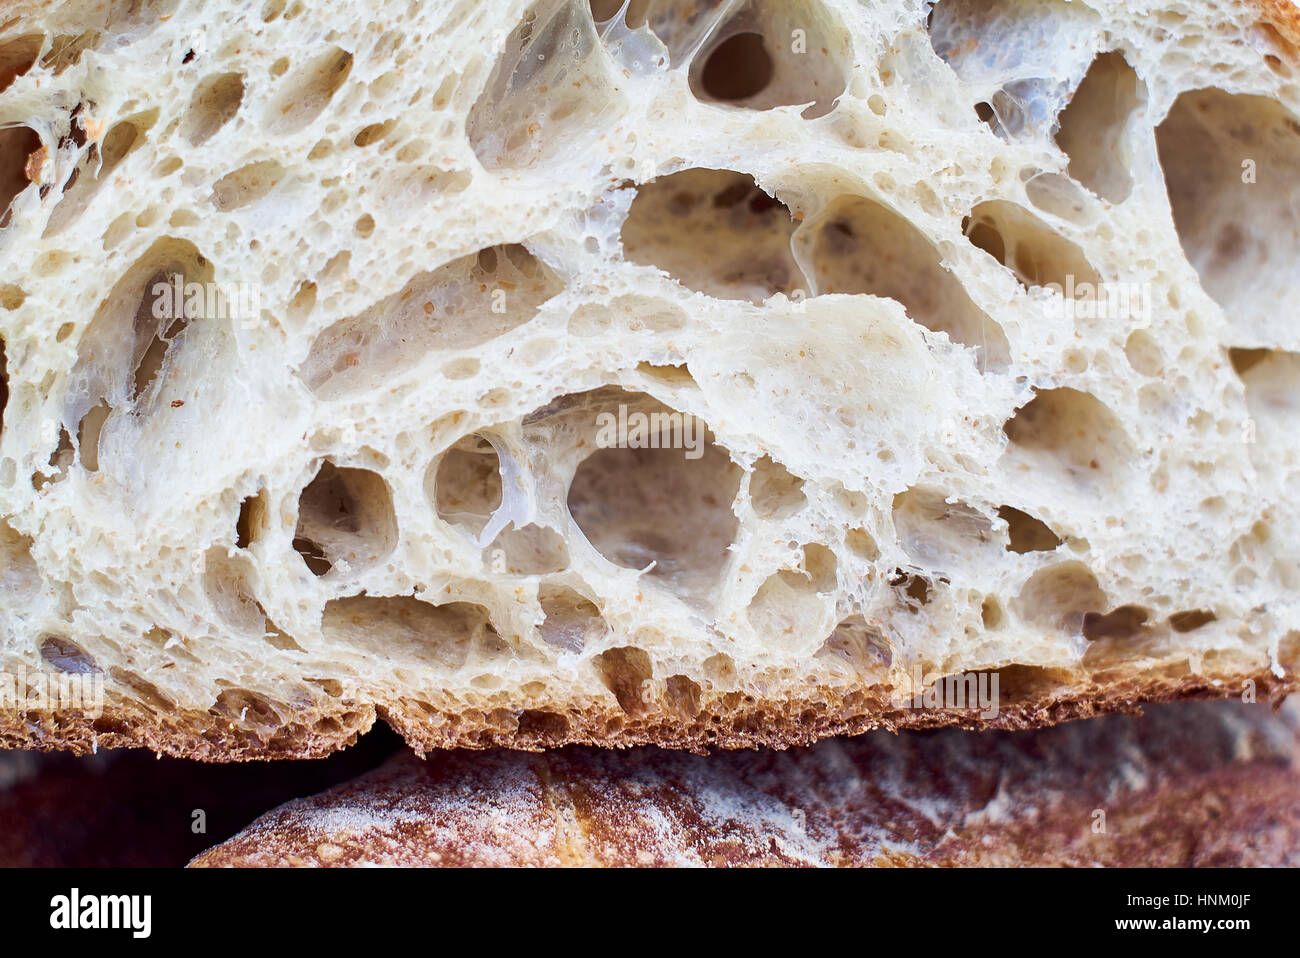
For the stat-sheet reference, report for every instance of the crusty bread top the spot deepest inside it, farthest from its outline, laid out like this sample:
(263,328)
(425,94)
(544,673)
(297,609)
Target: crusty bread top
(475,230)
(1191,784)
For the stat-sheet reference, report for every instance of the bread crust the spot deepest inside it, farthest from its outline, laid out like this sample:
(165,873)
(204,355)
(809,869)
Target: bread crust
(1185,785)
(1284,15)
(729,722)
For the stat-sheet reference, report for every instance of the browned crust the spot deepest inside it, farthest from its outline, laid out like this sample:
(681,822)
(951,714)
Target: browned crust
(735,720)
(205,736)
(730,721)
(1192,784)
(129,809)
(1283,16)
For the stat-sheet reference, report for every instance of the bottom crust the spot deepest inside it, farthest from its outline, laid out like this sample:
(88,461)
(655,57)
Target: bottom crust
(1028,699)
(1191,784)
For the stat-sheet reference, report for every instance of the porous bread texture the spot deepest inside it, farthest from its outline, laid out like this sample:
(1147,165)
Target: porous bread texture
(1193,784)
(857,249)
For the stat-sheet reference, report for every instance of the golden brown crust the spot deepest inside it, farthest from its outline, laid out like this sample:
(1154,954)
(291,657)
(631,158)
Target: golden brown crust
(204,736)
(1029,699)
(1189,784)
(1284,17)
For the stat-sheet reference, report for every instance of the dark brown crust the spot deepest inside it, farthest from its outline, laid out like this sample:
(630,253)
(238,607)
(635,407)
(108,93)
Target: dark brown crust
(731,721)
(1192,784)
(129,809)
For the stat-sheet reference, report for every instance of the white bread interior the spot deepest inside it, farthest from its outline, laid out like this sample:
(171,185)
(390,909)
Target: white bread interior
(472,228)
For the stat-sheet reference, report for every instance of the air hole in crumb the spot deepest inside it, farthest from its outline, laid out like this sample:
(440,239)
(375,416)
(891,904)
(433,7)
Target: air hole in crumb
(913,589)
(571,620)
(528,550)
(369,135)
(1061,596)
(347,517)
(736,69)
(313,556)
(215,102)
(540,724)
(790,602)
(66,49)
(147,694)
(626,672)
(155,354)
(96,168)
(88,431)
(66,656)
(126,353)
(1065,433)
(61,459)
(667,508)
(764,56)
(459,305)
(1191,619)
(20,150)
(331,687)
(4,385)
(1232,173)
(1027,534)
(1030,683)
(1037,254)
(246,185)
(1122,623)
(546,93)
(682,696)
(985,236)
(17,56)
(252,519)
(11,296)
(1143,353)
(409,631)
(716,232)
(1058,195)
(862,544)
(675,375)
(858,647)
(309,91)
(467,483)
(1272,382)
(860,246)
(1245,359)
(991,612)
(938,534)
(249,710)
(774,491)
(1091,127)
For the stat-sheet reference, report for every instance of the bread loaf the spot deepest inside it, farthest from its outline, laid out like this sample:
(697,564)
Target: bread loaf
(718,373)
(1188,784)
